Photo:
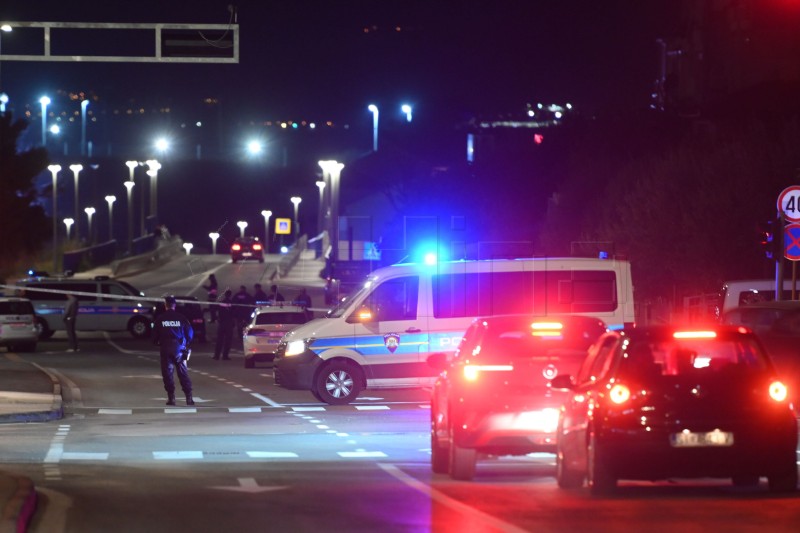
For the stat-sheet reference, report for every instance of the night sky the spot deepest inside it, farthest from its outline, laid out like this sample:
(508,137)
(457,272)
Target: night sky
(312,58)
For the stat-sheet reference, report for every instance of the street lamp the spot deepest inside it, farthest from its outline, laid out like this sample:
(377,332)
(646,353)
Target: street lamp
(296,201)
(54,170)
(68,223)
(406,109)
(129,185)
(242,224)
(321,214)
(75,171)
(153,167)
(214,236)
(89,212)
(111,199)
(188,247)
(334,170)
(266,214)
(84,105)
(3,96)
(45,101)
(3,102)
(374,109)
(162,145)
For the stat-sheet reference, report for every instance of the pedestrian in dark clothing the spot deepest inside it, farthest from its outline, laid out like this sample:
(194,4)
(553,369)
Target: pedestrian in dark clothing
(259,297)
(304,301)
(173,334)
(212,296)
(225,328)
(70,318)
(274,295)
(242,308)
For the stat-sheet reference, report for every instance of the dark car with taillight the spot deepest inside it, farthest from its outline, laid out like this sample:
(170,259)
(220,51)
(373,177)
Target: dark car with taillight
(247,248)
(493,398)
(661,402)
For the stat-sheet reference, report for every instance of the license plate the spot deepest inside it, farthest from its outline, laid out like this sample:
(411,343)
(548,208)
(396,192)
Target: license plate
(247,254)
(690,439)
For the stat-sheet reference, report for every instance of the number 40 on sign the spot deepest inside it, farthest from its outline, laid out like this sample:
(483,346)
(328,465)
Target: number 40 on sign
(789,203)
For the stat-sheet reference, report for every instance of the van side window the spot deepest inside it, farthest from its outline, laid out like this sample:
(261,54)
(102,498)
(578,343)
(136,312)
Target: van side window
(112,290)
(396,299)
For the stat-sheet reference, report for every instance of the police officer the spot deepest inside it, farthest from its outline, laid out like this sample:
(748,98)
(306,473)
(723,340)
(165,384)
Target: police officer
(70,317)
(173,334)
(225,329)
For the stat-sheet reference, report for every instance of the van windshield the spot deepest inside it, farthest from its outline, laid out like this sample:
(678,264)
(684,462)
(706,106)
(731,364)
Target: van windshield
(344,304)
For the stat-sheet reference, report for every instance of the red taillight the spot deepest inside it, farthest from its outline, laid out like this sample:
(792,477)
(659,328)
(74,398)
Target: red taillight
(695,334)
(619,394)
(778,391)
(471,372)
(256,246)
(236,247)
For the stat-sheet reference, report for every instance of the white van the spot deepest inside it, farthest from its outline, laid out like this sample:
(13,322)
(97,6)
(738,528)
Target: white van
(17,325)
(104,304)
(745,292)
(382,335)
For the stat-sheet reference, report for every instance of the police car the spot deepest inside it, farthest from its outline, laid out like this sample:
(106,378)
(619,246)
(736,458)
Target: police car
(267,327)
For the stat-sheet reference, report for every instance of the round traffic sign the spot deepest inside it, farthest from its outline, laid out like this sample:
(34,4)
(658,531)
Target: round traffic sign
(789,203)
(791,242)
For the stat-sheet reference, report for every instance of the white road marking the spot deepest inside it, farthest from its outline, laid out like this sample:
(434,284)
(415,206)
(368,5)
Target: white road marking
(248,484)
(84,456)
(299,409)
(361,454)
(244,409)
(265,400)
(372,407)
(271,455)
(115,411)
(169,456)
(180,410)
(469,512)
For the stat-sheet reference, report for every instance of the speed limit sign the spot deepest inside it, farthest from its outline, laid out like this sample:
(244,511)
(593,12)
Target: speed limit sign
(789,203)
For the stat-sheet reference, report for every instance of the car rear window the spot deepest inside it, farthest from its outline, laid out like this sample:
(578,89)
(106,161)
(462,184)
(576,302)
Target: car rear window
(16,308)
(280,318)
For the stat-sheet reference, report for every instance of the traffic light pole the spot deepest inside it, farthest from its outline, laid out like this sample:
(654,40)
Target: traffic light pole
(779,253)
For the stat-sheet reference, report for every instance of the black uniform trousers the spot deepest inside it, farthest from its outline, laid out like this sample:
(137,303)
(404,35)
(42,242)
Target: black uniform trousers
(224,338)
(170,362)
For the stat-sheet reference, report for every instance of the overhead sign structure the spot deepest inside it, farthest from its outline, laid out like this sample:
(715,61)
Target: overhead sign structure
(789,203)
(791,242)
(283,226)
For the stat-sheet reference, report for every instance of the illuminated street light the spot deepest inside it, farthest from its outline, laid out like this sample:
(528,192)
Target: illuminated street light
(296,201)
(54,170)
(188,247)
(89,212)
(266,214)
(129,186)
(374,109)
(3,102)
(162,145)
(3,96)
(333,169)
(254,147)
(55,129)
(214,236)
(406,109)
(153,167)
(76,169)
(84,105)
(45,101)
(242,225)
(68,222)
(321,214)
(111,199)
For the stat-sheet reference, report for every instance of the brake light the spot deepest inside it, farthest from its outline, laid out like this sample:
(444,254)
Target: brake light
(619,394)
(256,246)
(778,391)
(546,329)
(471,372)
(695,334)
(236,247)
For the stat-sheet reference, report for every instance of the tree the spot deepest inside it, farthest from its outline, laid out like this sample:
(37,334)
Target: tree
(23,223)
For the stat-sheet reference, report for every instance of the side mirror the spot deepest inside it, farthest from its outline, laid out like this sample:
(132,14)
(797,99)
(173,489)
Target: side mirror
(562,382)
(438,361)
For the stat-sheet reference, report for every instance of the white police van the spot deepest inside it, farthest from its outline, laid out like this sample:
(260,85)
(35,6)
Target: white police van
(382,335)
(104,304)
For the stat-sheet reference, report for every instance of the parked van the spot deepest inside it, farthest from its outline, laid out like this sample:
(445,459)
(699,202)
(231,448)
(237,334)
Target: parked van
(104,304)
(745,292)
(382,335)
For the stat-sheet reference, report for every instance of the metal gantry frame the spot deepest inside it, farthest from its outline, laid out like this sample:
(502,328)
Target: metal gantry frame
(158,30)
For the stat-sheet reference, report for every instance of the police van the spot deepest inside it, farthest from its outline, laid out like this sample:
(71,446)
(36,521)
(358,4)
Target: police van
(382,335)
(104,304)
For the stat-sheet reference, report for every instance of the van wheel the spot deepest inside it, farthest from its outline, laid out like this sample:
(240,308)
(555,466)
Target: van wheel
(338,383)
(139,327)
(440,456)
(44,330)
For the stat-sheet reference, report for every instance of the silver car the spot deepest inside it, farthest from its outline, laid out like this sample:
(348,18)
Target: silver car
(267,327)
(17,325)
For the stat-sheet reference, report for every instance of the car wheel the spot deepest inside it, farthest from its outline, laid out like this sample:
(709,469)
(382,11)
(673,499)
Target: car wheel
(316,395)
(745,480)
(784,479)
(462,462)
(566,477)
(139,327)
(44,330)
(440,455)
(249,362)
(601,479)
(338,383)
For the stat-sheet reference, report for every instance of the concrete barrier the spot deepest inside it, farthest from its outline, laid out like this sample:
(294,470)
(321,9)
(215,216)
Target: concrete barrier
(164,252)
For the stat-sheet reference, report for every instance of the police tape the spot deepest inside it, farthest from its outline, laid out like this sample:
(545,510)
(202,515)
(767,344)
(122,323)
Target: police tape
(20,291)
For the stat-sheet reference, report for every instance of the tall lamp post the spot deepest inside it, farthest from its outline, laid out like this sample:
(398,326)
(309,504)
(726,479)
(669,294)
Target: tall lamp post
(45,101)
(242,225)
(68,222)
(266,214)
(374,109)
(129,185)
(131,166)
(3,96)
(111,199)
(321,214)
(89,212)
(334,170)
(76,169)
(54,170)
(406,110)
(153,167)
(84,105)
(214,236)
(296,202)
